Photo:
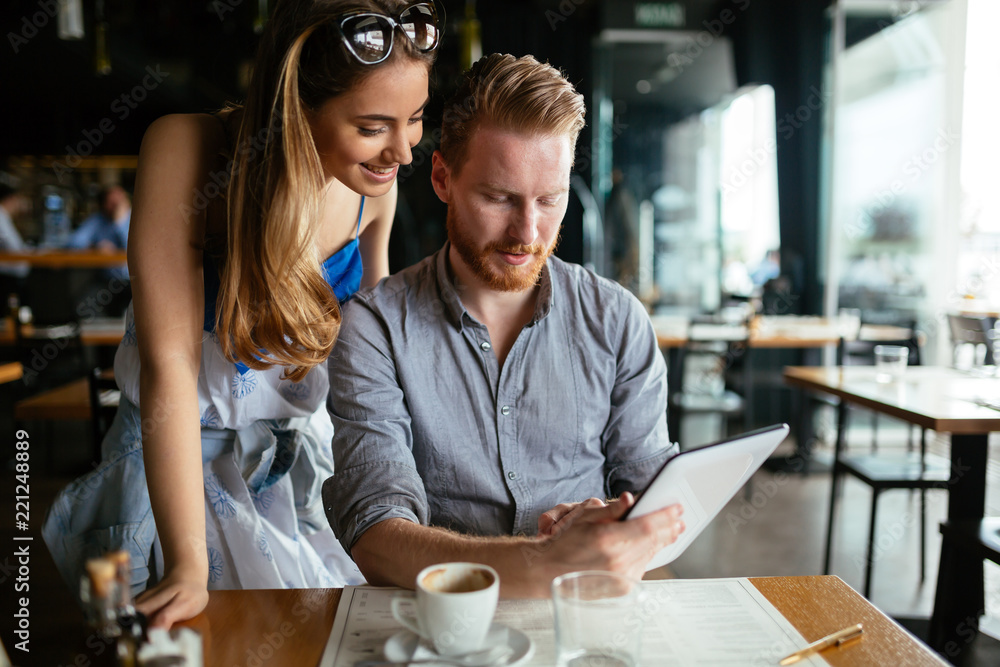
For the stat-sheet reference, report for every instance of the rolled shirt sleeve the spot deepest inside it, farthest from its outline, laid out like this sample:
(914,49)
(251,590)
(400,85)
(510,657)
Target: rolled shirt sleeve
(375,475)
(636,431)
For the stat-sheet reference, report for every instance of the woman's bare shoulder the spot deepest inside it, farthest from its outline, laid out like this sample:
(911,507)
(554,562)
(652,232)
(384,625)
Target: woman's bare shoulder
(188,134)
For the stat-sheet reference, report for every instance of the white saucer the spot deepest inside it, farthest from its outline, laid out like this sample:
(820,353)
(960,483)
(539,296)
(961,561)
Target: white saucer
(405,645)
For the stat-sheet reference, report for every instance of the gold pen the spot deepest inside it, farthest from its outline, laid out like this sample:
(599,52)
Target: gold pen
(836,639)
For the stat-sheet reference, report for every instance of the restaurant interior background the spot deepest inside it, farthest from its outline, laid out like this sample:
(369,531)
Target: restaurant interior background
(832,133)
(809,157)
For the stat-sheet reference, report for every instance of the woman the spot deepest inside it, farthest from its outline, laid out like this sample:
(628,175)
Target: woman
(248,228)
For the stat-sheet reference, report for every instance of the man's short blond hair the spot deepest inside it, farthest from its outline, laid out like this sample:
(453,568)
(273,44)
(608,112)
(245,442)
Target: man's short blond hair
(509,93)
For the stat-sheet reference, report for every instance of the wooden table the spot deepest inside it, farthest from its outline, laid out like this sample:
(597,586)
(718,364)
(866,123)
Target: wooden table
(70,401)
(780,332)
(67,259)
(291,627)
(10,372)
(940,399)
(97,332)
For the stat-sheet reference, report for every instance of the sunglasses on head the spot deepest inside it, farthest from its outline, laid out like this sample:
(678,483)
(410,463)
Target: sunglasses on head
(369,36)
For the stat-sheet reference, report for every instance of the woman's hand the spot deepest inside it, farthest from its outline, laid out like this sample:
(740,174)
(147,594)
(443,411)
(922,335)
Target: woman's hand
(176,598)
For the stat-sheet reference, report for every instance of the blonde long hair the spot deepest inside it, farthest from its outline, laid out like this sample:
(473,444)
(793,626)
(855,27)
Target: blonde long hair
(274,306)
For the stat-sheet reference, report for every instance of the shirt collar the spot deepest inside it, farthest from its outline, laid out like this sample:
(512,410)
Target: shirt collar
(453,307)
(456,311)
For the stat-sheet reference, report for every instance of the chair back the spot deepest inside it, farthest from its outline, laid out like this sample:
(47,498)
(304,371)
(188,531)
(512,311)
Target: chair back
(974,330)
(721,349)
(861,351)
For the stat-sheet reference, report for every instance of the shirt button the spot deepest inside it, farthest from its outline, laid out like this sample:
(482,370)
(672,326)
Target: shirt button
(505,410)
(512,475)
(486,346)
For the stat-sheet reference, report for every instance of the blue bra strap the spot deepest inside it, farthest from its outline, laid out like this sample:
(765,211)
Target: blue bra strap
(357,230)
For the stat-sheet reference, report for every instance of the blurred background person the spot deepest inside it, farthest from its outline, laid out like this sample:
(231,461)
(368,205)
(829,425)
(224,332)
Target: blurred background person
(106,230)
(623,230)
(13,204)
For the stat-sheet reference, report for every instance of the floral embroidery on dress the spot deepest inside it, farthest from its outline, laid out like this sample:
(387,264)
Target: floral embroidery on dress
(263,501)
(211,418)
(244,383)
(129,339)
(296,391)
(214,565)
(264,547)
(222,501)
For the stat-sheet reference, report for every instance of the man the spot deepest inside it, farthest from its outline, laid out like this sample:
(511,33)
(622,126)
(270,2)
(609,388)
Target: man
(106,229)
(480,396)
(12,205)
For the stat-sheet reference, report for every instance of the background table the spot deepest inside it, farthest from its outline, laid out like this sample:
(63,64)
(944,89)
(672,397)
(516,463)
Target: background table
(291,627)
(11,371)
(943,400)
(66,259)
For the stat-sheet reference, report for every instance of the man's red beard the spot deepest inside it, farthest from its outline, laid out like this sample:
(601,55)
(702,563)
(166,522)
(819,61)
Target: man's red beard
(481,259)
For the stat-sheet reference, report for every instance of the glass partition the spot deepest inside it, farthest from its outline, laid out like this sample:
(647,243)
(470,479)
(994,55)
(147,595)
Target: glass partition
(684,166)
(894,140)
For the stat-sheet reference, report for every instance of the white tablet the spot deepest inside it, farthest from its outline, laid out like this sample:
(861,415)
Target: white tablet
(703,480)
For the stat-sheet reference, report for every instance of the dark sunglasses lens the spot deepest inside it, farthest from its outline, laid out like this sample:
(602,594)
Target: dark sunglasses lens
(370,37)
(419,22)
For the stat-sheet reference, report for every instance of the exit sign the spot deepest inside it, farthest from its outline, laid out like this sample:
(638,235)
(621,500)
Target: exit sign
(659,15)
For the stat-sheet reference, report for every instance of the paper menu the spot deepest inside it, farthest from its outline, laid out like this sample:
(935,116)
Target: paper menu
(699,622)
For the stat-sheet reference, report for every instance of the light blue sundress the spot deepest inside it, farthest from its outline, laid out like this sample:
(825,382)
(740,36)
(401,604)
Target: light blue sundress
(265,455)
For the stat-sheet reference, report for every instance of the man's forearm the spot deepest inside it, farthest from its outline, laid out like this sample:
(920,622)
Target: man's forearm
(392,552)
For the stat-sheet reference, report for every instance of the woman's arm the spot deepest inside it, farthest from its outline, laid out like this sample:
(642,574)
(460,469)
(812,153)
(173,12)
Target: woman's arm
(374,241)
(165,259)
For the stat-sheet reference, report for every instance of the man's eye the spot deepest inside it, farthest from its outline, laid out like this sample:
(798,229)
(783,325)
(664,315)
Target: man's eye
(496,199)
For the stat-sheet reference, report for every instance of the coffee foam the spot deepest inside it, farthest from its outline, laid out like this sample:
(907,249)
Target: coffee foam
(441,580)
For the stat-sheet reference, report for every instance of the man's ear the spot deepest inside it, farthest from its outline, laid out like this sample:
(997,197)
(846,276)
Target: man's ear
(440,177)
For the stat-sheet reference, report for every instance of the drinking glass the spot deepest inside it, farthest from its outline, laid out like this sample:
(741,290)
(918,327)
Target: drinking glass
(890,362)
(598,619)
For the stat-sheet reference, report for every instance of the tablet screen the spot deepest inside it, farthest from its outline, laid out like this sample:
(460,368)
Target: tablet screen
(703,480)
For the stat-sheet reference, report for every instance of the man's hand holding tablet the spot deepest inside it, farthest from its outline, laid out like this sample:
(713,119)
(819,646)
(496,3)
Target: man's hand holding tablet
(702,481)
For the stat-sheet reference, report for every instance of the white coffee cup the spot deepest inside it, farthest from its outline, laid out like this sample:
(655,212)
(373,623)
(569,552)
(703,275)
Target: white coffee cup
(455,603)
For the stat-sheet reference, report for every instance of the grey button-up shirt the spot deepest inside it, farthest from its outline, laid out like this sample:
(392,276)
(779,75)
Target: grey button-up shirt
(428,427)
